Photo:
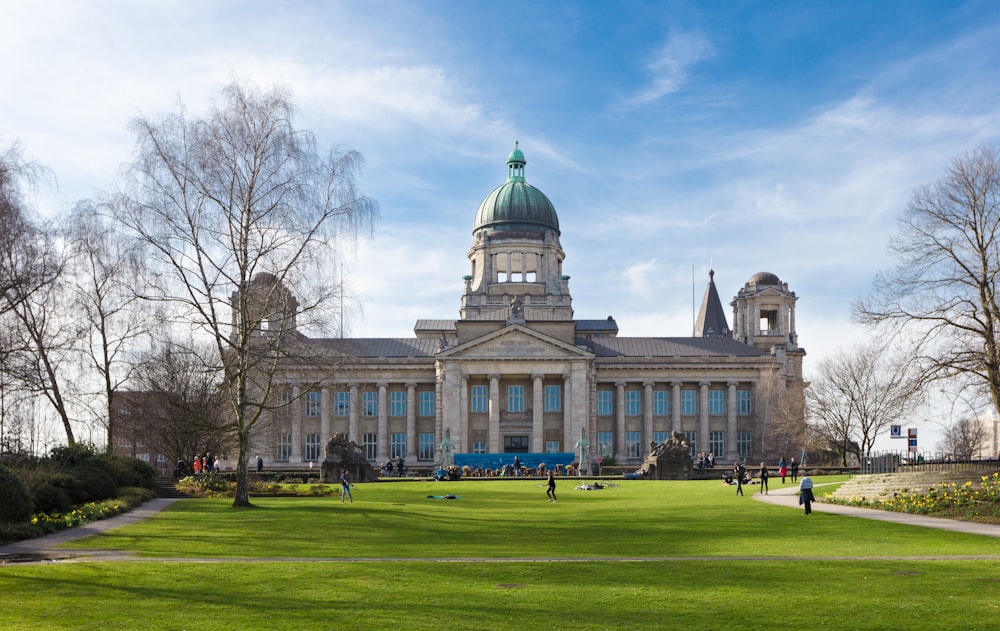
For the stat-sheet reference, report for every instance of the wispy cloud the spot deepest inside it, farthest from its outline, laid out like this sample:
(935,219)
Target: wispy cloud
(669,66)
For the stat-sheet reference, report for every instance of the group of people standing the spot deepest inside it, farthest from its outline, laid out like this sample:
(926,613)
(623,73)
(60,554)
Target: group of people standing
(393,468)
(199,464)
(784,469)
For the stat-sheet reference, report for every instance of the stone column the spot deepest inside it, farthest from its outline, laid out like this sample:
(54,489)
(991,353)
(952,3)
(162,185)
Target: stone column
(411,422)
(296,455)
(354,413)
(580,407)
(383,423)
(619,449)
(703,416)
(324,418)
(451,398)
(460,435)
(493,440)
(647,414)
(675,405)
(567,412)
(732,451)
(538,408)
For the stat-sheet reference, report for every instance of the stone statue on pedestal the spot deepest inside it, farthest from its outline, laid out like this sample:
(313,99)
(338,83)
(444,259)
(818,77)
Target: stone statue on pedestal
(341,454)
(669,460)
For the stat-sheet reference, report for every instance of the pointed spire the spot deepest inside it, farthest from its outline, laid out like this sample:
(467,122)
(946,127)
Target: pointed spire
(711,320)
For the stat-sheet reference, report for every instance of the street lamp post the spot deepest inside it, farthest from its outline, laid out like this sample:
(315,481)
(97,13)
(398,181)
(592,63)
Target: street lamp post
(583,445)
(447,446)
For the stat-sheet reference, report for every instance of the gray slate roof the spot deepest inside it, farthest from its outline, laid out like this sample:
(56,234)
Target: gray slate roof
(671,347)
(693,347)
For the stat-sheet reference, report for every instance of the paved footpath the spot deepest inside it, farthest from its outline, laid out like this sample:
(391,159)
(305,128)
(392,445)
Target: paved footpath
(790,497)
(47,546)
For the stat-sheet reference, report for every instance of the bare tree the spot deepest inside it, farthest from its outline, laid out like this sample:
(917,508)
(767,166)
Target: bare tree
(178,406)
(944,289)
(21,270)
(964,438)
(104,272)
(858,393)
(236,196)
(43,363)
(781,424)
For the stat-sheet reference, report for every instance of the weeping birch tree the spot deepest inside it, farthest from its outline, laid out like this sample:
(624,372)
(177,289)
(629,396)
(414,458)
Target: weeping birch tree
(240,195)
(943,292)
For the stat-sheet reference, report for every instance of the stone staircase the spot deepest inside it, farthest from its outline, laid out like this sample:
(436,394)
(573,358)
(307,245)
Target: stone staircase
(167,487)
(885,485)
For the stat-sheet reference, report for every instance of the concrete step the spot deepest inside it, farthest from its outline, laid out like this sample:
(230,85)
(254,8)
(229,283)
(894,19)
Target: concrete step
(167,487)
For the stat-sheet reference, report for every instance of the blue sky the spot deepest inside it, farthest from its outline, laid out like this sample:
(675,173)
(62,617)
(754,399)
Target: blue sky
(671,136)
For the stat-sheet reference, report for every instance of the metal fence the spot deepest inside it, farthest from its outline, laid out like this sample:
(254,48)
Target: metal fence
(903,460)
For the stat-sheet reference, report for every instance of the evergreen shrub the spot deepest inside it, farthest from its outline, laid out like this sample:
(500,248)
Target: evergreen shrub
(15,501)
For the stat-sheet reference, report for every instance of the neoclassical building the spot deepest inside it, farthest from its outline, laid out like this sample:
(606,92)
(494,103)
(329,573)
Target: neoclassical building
(517,373)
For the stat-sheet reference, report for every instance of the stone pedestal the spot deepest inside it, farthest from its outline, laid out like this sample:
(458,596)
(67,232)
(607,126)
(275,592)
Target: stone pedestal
(344,454)
(669,460)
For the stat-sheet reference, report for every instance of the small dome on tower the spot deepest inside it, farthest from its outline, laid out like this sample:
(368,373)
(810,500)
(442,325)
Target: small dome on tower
(764,278)
(516,206)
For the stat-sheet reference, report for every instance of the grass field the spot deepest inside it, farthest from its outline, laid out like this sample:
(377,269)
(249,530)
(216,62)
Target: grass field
(644,555)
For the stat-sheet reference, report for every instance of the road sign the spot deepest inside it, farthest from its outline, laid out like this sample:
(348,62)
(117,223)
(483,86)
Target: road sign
(912,432)
(913,444)
(895,431)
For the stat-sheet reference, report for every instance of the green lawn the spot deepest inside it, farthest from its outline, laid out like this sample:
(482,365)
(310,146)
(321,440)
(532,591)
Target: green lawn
(645,555)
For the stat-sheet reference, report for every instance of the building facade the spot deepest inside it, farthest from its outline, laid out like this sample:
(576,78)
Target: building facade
(516,372)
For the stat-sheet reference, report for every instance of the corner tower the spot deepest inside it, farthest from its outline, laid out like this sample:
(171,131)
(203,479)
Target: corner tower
(516,257)
(764,313)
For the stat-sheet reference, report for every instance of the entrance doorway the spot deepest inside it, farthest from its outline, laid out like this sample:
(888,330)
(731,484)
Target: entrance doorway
(516,444)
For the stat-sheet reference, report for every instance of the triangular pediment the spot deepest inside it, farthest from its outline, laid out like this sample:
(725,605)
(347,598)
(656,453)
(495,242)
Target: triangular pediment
(514,342)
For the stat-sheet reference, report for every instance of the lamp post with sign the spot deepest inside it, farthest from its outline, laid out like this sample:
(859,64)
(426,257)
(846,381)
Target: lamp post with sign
(583,445)
(447,446)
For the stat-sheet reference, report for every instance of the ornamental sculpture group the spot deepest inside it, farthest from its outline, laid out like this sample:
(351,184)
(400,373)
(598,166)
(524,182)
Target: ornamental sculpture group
(341,454)
(669,460)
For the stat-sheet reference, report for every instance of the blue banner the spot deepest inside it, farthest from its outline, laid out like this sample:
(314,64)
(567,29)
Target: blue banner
(496,461)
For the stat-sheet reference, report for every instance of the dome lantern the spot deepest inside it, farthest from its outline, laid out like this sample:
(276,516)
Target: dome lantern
(516,206)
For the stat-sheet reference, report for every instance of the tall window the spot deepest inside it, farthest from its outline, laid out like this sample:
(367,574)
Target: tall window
(633,442)
(515,398)
(692,438)
(312,447)
(284,451)
(342,403)
(661,402)
(744,444)
(633,402)
(552,446)
(282,402)
(479,446)
(553,398)
(689,402)
(480,399)
(369,403)
(743,402)
(369,442)
(605,402)
(397,403)
(717,443)
(397,444)
(606,444)
(717,402)
(661,437)
(313,398)
(425,446)
(426,398)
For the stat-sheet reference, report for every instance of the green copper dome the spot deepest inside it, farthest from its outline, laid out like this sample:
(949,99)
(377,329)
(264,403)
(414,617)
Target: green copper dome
(516,206)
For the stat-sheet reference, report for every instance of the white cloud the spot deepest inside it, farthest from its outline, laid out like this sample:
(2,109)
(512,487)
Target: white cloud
(668,69)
